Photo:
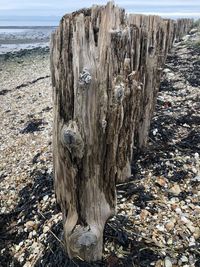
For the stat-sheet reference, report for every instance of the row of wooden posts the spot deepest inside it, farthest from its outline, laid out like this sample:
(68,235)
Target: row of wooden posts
(106,68)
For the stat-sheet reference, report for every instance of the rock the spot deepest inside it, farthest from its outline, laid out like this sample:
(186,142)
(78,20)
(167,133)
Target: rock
(175,190)
(168,262)
(166,70)
(155,131)
(34,245)
(30,225)
(186,38)
(188,223)
(161,181)
(169,225)
(21,243)
(161,228)
(192,242)
(17,248)
(184,259)
(192,31)
(34,233)
(170,241)
(159,263)
(30,236)
(45,198)
(170,75)
(21,259)
(197,233)
(3,210)
(28,264)
(185,220)
(45,229)
(191,227)
(196,178)
(143,215)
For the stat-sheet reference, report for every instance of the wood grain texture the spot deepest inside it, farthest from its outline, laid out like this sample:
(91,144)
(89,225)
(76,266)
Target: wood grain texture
(105,69)
(182,27)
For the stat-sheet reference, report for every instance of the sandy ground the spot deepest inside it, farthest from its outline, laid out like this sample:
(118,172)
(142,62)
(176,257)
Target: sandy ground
(158,212)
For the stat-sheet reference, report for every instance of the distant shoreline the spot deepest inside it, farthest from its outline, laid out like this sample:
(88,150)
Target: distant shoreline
(28,27)
(17,38)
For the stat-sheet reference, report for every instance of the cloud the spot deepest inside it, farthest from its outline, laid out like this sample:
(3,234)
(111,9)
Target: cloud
(172,14)
(60,7)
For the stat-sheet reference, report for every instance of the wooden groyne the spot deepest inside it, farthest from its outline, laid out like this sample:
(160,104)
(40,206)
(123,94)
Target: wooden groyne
(106,68)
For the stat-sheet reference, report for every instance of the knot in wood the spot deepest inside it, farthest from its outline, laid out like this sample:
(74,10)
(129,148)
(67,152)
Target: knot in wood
(151,50)
(72,139)
(69,137)
(85,77)
(87,240)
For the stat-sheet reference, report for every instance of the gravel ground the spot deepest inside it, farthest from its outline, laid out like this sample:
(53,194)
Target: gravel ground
(158,212)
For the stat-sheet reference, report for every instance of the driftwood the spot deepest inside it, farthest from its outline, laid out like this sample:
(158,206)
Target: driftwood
(106,68)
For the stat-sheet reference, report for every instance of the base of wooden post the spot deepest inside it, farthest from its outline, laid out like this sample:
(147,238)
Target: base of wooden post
(85,243)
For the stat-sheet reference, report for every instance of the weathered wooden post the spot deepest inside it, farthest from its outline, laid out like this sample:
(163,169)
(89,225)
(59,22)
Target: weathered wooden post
(94,100)
(183,26)
(105,72)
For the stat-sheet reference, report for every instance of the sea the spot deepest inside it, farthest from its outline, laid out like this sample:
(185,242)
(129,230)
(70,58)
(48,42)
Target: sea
(28,21)
(18,33)
(28,32)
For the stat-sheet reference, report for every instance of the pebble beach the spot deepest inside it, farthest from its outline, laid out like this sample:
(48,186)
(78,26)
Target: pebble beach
(158,212)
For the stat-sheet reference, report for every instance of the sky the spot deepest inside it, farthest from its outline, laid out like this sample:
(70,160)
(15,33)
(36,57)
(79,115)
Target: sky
(56,8)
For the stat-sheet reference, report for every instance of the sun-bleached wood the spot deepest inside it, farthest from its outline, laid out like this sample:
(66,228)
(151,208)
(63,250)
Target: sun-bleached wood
(106,68)
(182,27)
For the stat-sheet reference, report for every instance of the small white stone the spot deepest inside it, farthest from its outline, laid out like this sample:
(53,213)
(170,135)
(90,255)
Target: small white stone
(169,74)
(45,198)
(155,131)
(3,210)
(161,228)
(30,235)
(170,241)
(194,30)
(169,225)
(17,247)
(185,220)
(184,259)
(168,262)
(166,70)
(178,211)
(21,243)
(191,227)
(196,179)
(45,229)
(194,170)
(30,225)
(34,233)
(192,242)
(21,259)
(175,190)
(27,264)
